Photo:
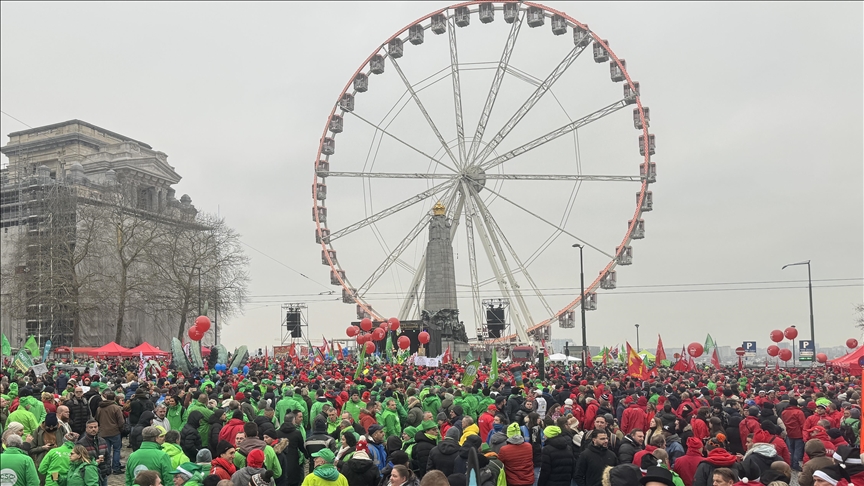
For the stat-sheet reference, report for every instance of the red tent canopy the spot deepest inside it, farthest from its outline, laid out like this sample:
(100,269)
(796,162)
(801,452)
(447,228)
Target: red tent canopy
(146,349)
(849,361)
(205,351)
(110,349)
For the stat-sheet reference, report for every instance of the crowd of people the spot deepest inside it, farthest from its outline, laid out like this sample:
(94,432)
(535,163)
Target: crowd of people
(287,423)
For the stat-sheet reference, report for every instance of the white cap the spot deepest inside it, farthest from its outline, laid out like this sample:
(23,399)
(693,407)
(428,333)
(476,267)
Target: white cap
(569,401)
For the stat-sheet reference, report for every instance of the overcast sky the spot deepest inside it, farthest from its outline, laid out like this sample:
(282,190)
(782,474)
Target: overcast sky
(757,110)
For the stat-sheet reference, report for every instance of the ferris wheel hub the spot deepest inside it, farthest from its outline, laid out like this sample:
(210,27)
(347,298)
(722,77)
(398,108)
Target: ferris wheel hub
(476,176)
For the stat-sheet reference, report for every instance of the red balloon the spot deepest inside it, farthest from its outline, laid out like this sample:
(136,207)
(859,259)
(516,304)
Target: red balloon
(394,323)
(773,350)
(790,333)
(384,325)
(378,334)
(202,323)
(404,342)
(695,350)
(352,331)
(851,343)
(785,354)
(195,334)
(423,337)
(370,347)
(777,335)
(821,357)
(366,324)
(362,338)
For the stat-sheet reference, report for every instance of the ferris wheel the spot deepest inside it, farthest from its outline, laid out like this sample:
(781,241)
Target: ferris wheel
(504,122)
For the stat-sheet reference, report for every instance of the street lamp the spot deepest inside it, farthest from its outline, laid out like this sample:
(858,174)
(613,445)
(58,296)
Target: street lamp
(637,338)
(810,287)
(585,353)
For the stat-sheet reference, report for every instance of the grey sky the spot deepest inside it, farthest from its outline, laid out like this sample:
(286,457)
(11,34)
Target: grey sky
(757,109)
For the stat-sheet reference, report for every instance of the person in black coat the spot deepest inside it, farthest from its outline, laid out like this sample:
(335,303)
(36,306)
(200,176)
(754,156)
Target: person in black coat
(629,447)
(265,424)
(443,456)
(294,474)
(140,403)
(135,437)
(360,470)
(190,440)
(460,466)
(557,463)
(594,459)
(423,446)
(79,413)
(216,421)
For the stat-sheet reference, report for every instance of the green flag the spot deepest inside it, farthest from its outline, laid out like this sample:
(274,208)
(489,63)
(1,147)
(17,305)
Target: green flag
(7,349)
(493,372)
(709,344)
(470,373)
(32,346)
(23,361)
(389,345)
(360,362)
(469,357)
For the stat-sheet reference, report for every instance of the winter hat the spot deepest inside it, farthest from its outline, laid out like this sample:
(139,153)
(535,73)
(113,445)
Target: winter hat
(255,458)
(513,430)
(374,428)
(325,454)
(694,443)
(204,456)
(622,475)
(222,447)
(51,420)
(441,417)
(427,424)
(829,474)
(855,413)
(187,469)
(657,474)
(71,437)
(814,447)
(453,433)
(568,402)
(762,437)
(769,476)
(552,431)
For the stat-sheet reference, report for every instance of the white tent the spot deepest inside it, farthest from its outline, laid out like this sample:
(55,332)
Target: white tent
(561,357)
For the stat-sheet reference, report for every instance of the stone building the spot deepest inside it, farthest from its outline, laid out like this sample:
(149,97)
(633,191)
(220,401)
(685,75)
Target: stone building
(77,161)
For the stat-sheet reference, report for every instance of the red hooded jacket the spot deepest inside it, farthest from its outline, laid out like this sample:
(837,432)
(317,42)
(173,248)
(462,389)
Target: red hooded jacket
(686,465)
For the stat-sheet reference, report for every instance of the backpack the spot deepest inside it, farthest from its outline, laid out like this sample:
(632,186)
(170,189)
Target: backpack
(847,430)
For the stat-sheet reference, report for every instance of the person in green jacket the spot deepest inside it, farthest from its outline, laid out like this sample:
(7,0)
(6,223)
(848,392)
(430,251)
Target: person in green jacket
(285,405)
(171,446)
(389,419)
(18,468)
(188,474)
(55,464)
(25,418)
(33,404)
(175,412)
(431,403)
(82,471)
(150,457)
(325,473)
(354,405)
(204,428)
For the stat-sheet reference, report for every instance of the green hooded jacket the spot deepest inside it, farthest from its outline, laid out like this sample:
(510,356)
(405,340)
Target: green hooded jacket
(431,404)
(354,408)
(82,474)
(24,418)
(204,428)
(36,407)
(150,457)
(56,461)
(18,468)
(175,453)
(389,420)
(175,417)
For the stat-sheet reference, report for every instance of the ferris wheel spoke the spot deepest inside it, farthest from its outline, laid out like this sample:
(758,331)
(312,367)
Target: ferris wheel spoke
(521,268)
(503,65)
(554,134)
(562,177)
(394,255)
(394,137)
(530,102)
(414,290)
(500,278)
(562,230)
(391,210)
(472,268)
(457,89)
(422,108)
(391,175)
(489,223)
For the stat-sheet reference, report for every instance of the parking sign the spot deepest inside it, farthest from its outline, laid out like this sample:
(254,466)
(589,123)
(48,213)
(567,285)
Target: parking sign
(806,352)
(749,349)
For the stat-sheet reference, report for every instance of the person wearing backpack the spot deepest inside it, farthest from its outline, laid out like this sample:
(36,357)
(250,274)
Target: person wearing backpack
(850,427)
(82,471)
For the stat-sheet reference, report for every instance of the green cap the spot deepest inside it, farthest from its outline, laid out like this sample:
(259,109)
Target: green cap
(325,454)
(410,431)
(187,469)
(428,424)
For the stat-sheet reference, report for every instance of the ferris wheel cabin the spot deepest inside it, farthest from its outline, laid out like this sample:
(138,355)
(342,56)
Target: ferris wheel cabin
(415,34)
(325,253)
(651,144)
(439,24)
(559,25)
(647,203)
(395,48)
(615,71)
(322,235)
(600,53)
(535,17)
(334,280)
(487,12)
(462,17)
(651,176)
(336,124)
(361,83)
(590,301)
(639,230)
(320,212)
(581,37)
(624,255)
(320,190)
(637,120)
(630,95)
(609,281)
(322,168)
(511,12)
(347,102)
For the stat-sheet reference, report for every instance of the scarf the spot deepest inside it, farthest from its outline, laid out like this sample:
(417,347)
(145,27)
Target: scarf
(327,472)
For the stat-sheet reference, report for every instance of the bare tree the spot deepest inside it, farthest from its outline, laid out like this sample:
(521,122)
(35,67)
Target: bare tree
(859,316)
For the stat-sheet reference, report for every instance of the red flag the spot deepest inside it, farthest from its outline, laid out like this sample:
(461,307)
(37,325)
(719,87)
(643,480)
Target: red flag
(660,355)
(740,363)
(446,357)
(635,366)
(605,355)
(292,351)
(691,364)
(715,358)
(776,366)
(339,354)
(266,357)
(545,349)
(588,361)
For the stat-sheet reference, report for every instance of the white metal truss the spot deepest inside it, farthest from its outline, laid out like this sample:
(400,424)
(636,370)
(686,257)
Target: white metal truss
(476,304)
(496,86)
(529,103)
(457,90)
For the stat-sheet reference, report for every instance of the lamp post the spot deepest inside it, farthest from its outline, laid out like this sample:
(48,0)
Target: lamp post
(637,338)
(810,288)
(585,353)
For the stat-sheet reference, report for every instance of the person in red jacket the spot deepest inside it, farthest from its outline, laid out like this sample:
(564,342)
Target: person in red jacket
(590,413)
(518,458)
(699,424)
(232,428)
(750,425)
(223,464)
(634,417)
(686,465)
(793,418)
(367,415)
(813,420)
(486,420)
(777,441)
